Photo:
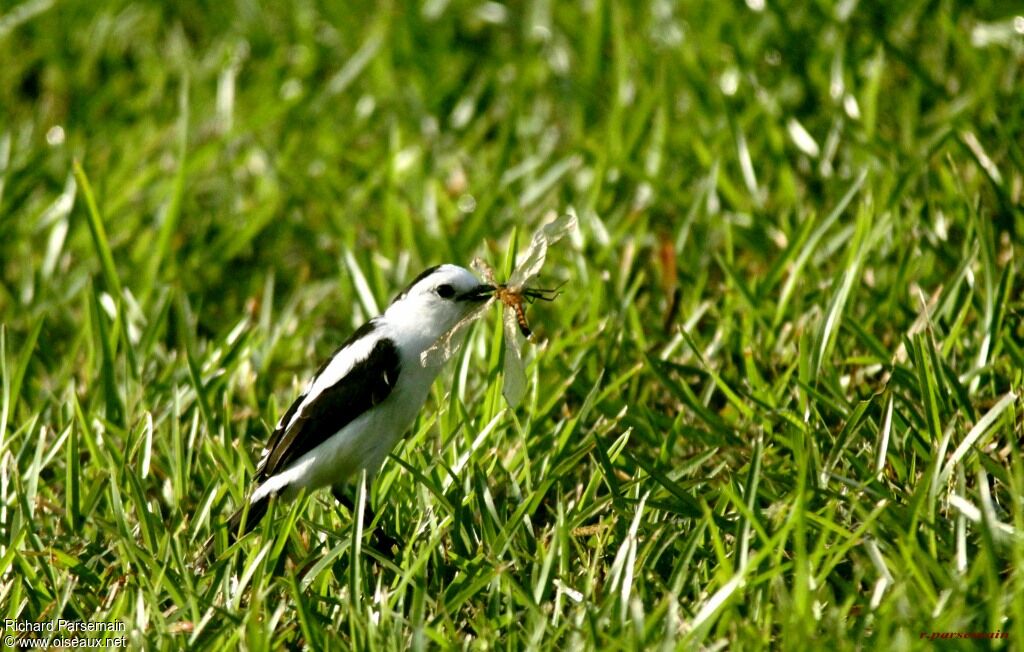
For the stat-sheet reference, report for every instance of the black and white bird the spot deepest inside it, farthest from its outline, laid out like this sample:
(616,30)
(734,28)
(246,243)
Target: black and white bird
(365,396)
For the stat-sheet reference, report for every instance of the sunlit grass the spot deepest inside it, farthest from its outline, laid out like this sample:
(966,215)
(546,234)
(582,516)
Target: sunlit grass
(777,403)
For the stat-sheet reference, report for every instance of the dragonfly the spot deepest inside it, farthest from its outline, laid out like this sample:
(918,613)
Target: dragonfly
(512,294)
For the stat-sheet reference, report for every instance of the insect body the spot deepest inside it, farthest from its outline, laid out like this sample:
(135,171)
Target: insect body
(514,300)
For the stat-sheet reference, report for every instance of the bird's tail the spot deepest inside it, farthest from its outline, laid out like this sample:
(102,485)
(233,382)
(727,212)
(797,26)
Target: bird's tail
(257,510)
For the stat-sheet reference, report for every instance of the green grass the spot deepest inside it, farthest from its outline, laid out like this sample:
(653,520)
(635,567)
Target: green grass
(776,405)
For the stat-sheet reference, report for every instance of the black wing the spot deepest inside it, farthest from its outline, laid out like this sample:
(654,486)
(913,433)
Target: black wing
(367,384)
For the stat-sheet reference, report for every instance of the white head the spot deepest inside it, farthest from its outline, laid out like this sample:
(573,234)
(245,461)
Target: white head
(435,301)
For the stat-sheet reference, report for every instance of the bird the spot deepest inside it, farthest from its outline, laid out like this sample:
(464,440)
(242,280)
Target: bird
(363,398)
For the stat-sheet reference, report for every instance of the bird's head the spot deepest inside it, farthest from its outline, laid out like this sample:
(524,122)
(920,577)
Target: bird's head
(436,300)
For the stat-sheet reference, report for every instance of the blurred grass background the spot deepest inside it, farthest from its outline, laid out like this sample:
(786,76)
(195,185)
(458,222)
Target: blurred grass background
(776,405)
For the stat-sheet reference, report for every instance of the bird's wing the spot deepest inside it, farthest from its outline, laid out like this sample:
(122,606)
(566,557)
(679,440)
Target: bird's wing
(349,384)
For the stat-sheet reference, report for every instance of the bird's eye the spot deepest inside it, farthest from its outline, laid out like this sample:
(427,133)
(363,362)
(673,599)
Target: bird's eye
(445,291)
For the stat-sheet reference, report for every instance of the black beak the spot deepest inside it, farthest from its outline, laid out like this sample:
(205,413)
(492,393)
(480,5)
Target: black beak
(479,293)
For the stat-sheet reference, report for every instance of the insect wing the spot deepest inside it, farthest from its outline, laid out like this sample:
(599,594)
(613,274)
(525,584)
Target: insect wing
(514,387)
(483,269)
(448,344)
(529,264)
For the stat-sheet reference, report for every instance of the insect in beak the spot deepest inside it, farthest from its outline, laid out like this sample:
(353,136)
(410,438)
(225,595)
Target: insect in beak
(479,293)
